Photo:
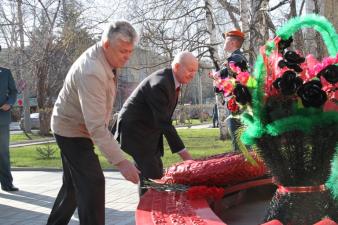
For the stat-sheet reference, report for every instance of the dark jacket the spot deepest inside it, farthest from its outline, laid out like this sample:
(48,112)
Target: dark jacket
(236,57)
(143,120)
(8,94)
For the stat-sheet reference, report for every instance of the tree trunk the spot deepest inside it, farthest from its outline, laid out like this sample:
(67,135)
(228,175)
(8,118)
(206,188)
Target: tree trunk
(223,128)
(331,12)
(214,54)
(298,36)
(41,72)
(313,42)
(26,105)
(259,33)
(244,17)
(45,116)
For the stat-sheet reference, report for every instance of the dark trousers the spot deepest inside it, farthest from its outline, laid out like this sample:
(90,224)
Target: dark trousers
(234,124)
(6,178)
(215,121)
(83,184)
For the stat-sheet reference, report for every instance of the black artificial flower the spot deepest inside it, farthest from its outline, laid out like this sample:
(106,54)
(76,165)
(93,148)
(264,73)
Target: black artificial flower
(330,73)
(216,90)
(224,73)
(281,64)
(312,94)
(242,94)
(293,57)
(288,83)
(242,65)
(283,44)
(294,66)
(292,61)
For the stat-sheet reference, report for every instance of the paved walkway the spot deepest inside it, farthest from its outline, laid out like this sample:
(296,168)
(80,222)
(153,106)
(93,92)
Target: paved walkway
(38,189)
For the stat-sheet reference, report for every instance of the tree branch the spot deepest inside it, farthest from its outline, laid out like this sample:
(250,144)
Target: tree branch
(278,5)
(229,7)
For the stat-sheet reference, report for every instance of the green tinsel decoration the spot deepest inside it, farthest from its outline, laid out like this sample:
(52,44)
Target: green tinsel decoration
(297,144)
(332,182)
(278,127)
(256,127)
(319,23)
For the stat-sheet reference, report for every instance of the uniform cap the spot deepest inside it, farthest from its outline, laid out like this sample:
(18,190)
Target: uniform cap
(233,33)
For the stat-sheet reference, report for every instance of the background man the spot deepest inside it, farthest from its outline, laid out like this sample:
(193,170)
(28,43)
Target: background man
(7,99)
(80,118)
(215,116)
(146,116)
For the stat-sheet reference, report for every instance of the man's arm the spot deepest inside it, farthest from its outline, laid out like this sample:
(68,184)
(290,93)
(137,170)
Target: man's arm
(93,105)
(12,92)
(158,101)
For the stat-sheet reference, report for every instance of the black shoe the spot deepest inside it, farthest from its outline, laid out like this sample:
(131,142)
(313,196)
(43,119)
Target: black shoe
(9,188)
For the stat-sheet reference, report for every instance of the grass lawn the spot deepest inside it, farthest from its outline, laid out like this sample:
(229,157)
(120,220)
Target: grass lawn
(200,142)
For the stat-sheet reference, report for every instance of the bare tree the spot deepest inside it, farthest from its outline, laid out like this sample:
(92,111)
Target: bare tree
(56,35)
(168,27)
(26,106)
(41,64)
(57,51)
(313,40)
(232,10)
(298,37)
(259,32)
(331,12)
(211,26)
(244,17)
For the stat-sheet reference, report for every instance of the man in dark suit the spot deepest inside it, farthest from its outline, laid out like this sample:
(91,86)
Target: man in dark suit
(146,116)
(215,116)
(7,99)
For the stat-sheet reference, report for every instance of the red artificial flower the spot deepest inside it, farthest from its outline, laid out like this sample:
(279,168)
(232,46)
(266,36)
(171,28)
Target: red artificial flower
(232,105)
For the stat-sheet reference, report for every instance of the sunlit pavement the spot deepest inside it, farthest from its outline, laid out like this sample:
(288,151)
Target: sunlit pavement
(38,189)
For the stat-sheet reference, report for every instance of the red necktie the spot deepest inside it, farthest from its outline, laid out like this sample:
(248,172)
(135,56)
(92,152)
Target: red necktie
(177,92)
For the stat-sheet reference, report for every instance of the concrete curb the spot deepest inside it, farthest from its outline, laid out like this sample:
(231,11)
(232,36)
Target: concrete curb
(189,126)
(23,144)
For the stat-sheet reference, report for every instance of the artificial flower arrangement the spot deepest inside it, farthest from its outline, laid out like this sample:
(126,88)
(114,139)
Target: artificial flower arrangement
(294,122)
(236,86)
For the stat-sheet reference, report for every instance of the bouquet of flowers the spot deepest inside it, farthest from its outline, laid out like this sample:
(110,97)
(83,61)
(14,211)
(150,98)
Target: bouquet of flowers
(294,122)
(236,86)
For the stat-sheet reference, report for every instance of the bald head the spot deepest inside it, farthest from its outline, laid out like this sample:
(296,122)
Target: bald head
(184,58)
(184,66)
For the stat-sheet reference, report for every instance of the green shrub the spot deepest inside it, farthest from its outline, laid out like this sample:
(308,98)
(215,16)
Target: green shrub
(46,152)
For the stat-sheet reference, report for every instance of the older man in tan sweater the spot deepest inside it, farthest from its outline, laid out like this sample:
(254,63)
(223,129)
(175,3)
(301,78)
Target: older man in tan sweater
(80,120)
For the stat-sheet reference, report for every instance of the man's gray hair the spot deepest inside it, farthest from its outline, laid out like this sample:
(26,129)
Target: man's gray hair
(181,56)
(120,30)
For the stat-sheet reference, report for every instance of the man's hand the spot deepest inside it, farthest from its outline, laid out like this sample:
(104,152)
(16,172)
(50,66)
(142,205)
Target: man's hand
(5,107)
(214,75)
(185,155)
(128,171)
